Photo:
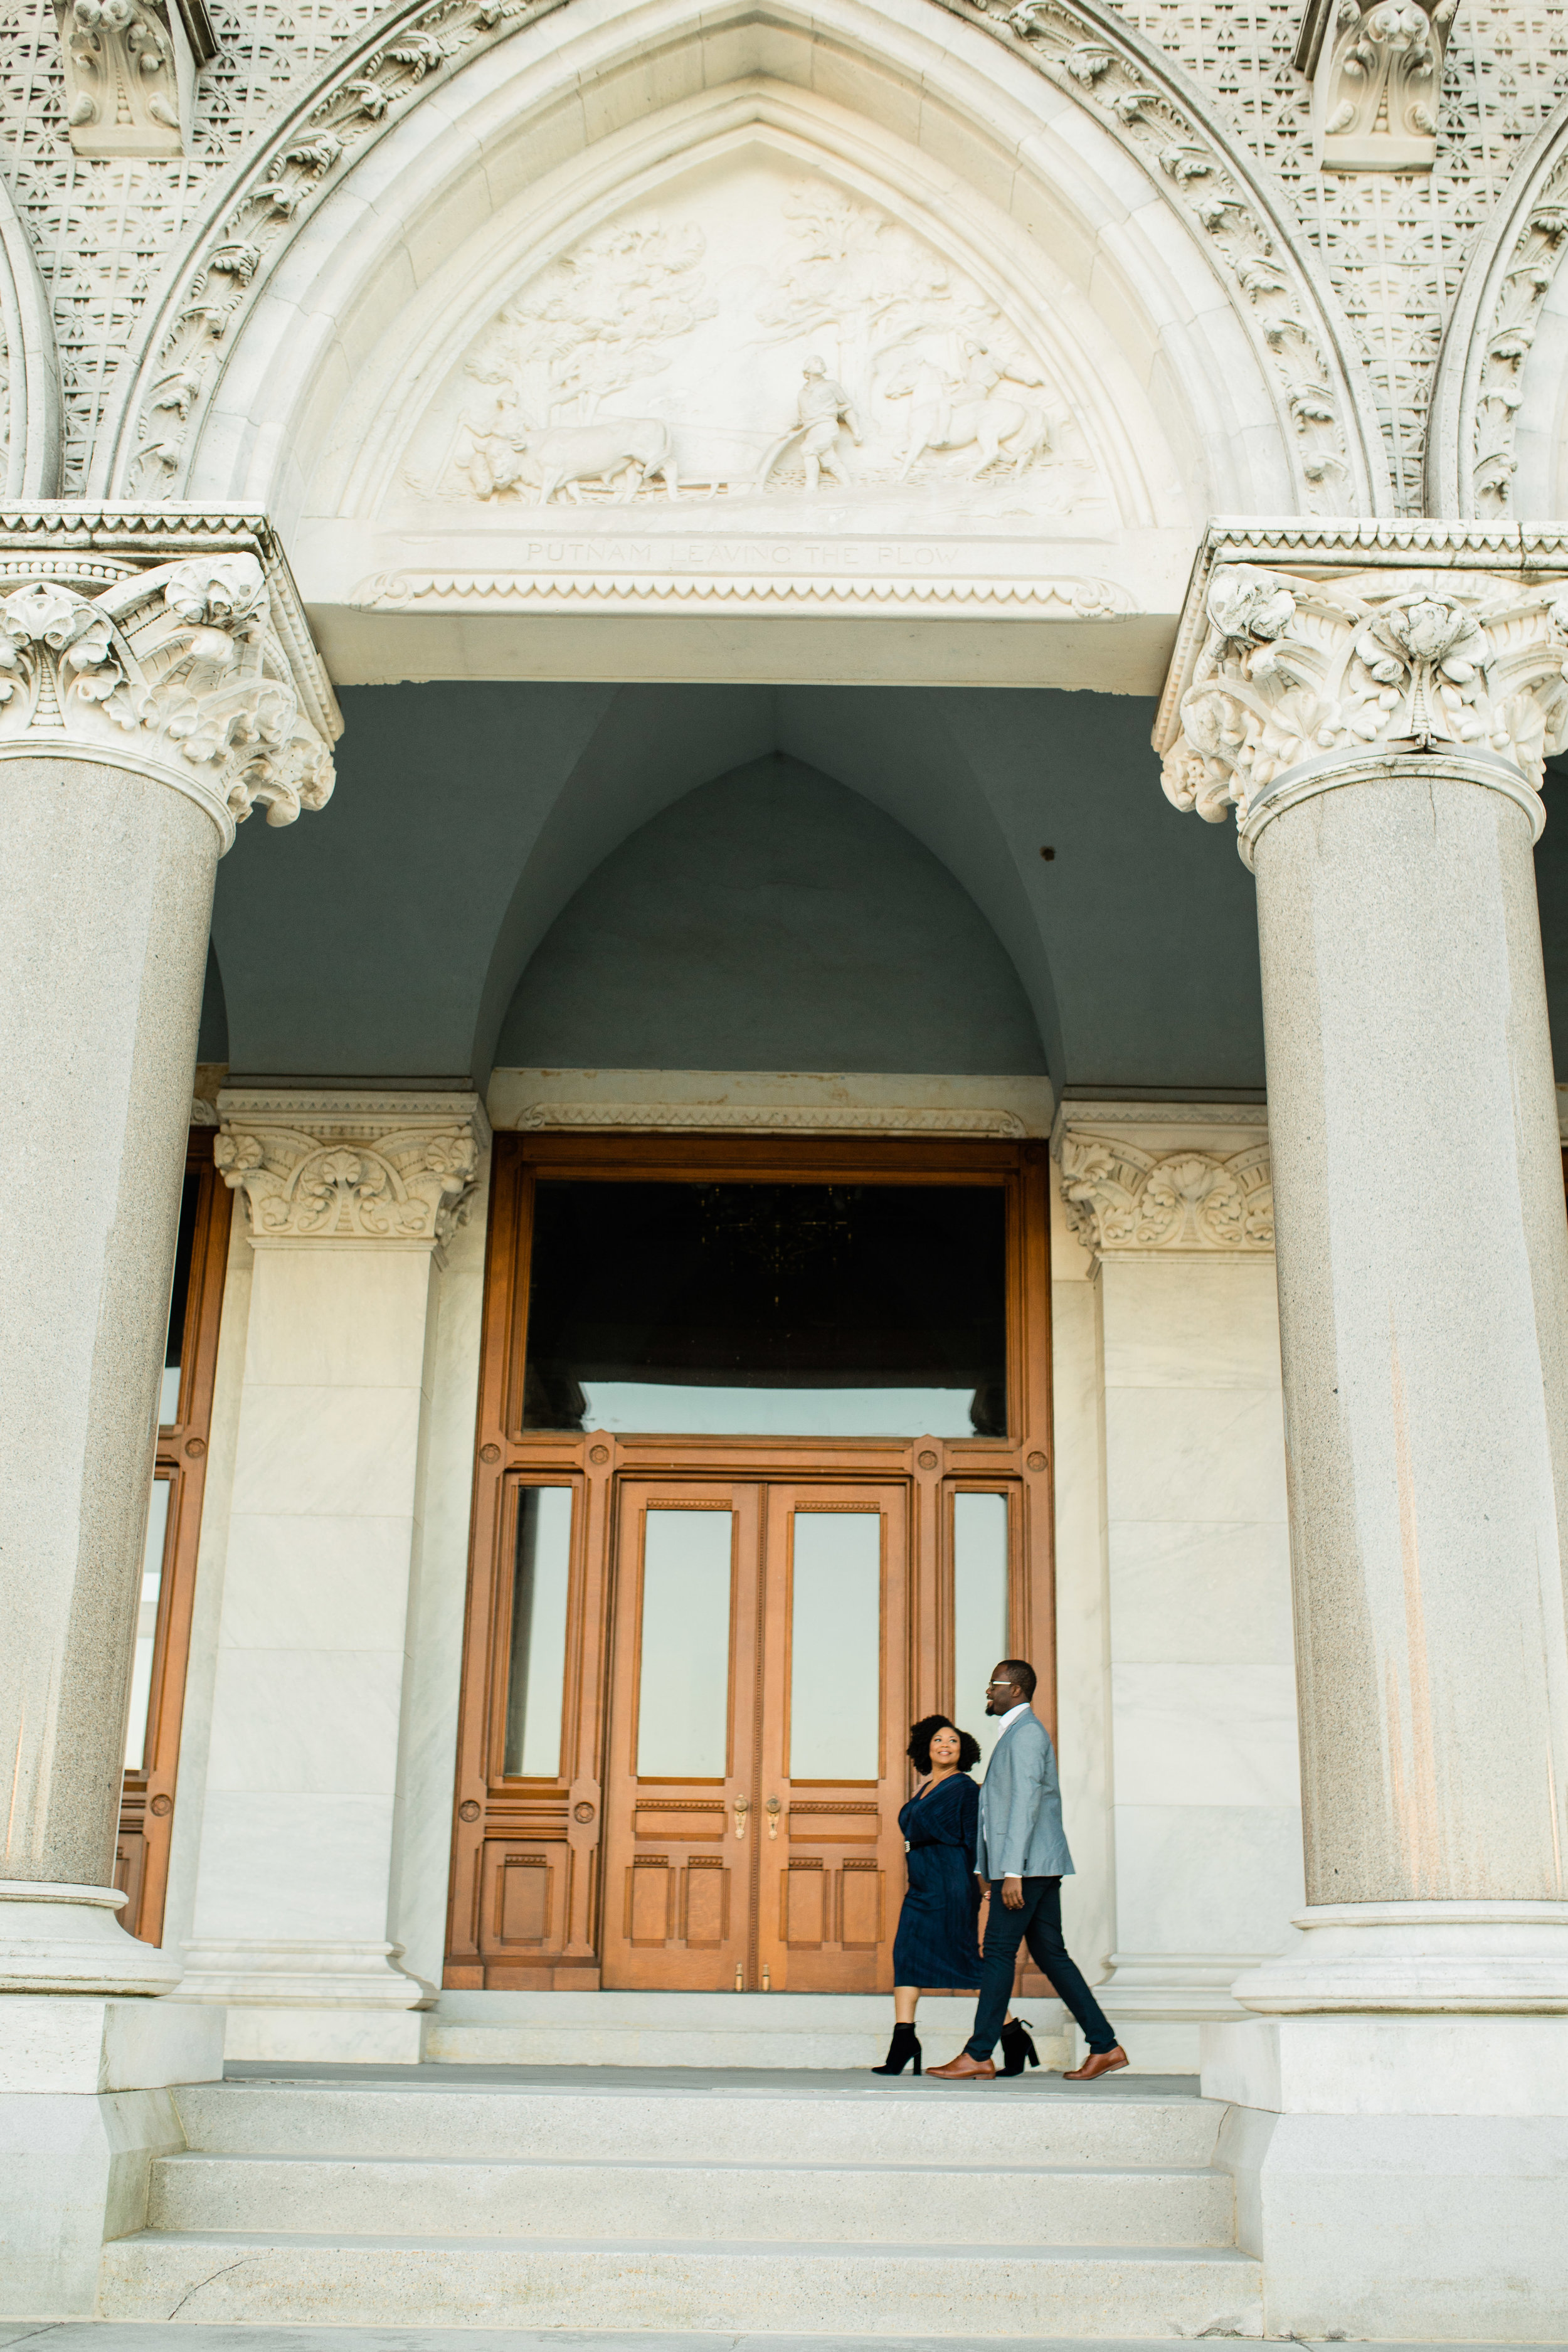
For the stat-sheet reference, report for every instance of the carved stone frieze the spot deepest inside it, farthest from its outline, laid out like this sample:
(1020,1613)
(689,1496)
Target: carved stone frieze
(178,668)
(380,1166)
(1198,165)
(1319,652)
(1169,1189)
(1084,599)
(1376,67)
(130,69)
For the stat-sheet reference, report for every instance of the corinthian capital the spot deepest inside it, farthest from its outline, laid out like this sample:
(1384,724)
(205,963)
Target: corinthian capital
(1166,1178)
(373,1167)
(1391,638)
(197,667)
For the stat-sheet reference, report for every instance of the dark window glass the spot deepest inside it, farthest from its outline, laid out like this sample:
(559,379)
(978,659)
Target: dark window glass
(174,1346)
(861,1310)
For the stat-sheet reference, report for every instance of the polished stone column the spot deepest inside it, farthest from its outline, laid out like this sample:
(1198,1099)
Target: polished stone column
(1376,706)
(147,701)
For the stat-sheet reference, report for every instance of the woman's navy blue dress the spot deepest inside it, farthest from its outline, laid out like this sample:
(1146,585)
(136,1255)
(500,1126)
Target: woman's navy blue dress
(938,1941)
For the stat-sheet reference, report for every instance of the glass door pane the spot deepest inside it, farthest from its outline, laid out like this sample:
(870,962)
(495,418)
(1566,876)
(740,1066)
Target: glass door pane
(152,1553)
(835,1645)
(540,1584)
(979,1610)
(683,1688)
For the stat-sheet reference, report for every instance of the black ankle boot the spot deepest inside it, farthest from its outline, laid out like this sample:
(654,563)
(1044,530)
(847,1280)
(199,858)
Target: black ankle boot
(1016,2046)
(904,2045)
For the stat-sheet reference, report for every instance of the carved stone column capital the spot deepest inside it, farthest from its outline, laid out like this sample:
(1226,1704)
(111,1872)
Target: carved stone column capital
(377,1167)
(1305,649)
(173,645)
(1166,1178)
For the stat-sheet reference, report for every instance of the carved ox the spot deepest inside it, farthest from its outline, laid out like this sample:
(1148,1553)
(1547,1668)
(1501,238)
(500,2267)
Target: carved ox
(623,449)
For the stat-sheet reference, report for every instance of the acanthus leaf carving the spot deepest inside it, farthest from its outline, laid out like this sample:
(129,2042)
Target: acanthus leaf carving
(1377,78)
(1118,1196)
(130,72)
(1294,667)
(176,668)
(382,1169)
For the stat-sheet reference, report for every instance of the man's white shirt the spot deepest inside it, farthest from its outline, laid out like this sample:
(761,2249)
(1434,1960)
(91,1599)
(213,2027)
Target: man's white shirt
(1011,1716)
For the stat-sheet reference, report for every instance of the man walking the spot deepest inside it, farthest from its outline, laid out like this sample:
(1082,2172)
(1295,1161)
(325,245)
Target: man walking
(1022,1853)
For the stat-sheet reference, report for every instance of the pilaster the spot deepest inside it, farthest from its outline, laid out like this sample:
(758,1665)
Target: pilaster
(349,1197)
(1174,1203)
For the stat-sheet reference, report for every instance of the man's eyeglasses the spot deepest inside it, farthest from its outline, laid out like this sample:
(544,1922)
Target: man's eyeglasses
(991,1686)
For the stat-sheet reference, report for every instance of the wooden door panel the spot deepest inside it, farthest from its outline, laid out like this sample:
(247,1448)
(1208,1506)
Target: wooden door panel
(678,1860)
(824,1924)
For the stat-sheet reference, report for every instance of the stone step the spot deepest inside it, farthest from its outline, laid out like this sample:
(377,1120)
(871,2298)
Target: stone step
(536,2198)
(709,2029)
(433,2282)
(1034,2119)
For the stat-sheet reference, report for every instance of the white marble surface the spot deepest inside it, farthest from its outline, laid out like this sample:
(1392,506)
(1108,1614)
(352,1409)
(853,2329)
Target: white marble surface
(302,1757)
(1205,1771)
(1083,1684)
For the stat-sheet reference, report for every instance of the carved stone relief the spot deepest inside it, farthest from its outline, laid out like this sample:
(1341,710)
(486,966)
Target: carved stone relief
(1122,1192)
(130,69)
(1300,657)
(376,1167)
(1377,78)
(761,337)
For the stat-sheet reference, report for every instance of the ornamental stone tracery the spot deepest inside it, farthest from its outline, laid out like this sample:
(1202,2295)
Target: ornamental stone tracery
(179,669)
(371,1168)
(1292,662)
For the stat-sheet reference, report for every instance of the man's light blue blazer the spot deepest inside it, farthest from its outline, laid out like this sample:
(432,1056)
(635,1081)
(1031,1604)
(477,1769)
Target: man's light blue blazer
(1020,1834)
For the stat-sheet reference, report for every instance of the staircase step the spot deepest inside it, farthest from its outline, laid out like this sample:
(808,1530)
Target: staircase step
(483,2282)
(583,2116)
(537,2198)
(846,2031)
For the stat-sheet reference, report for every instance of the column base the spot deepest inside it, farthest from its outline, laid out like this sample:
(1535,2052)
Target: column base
(345,2003)
(1400,2176)
(84,2108)
(1159,2002)
(1447,1958)
(67,1939)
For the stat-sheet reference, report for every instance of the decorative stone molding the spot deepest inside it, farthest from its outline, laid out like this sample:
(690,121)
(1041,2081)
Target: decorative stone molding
(398,592)
(29,369)
(130,69)
(1360,642)
(1124,1195)
(769,1102)
(375,1167)
(1479,388)
(1377,70)
(199,671)
(1161,121)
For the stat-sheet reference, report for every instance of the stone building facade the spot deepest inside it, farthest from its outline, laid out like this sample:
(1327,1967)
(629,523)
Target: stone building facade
(730,549)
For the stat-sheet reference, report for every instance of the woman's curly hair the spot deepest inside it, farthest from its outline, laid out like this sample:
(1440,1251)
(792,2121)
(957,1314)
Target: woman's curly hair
(922,1733)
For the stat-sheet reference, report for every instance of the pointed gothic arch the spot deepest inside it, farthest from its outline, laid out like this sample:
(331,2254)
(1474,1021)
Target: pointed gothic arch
(1060,128)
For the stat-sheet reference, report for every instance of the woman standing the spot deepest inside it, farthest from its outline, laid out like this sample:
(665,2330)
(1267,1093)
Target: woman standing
(938,1942)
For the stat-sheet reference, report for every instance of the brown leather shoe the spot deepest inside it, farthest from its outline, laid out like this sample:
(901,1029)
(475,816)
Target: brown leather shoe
(1098,2063)
(966,2069)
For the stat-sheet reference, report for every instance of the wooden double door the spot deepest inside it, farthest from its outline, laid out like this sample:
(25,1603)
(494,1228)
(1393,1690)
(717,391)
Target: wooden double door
(692,1658)
(755,1764)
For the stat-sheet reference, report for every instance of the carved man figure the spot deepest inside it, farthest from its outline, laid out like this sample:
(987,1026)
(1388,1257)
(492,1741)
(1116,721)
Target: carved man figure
(824,406)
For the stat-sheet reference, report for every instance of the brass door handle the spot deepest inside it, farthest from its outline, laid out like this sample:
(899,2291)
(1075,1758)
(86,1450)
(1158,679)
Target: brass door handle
(742,1806)
(775,1809)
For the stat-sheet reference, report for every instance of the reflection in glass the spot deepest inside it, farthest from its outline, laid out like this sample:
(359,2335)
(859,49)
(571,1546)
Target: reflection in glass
(147,1626)
(979,1608)
(538,1671)
(173,1348)
(836,1646)
(683,1691)
(871,1311)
